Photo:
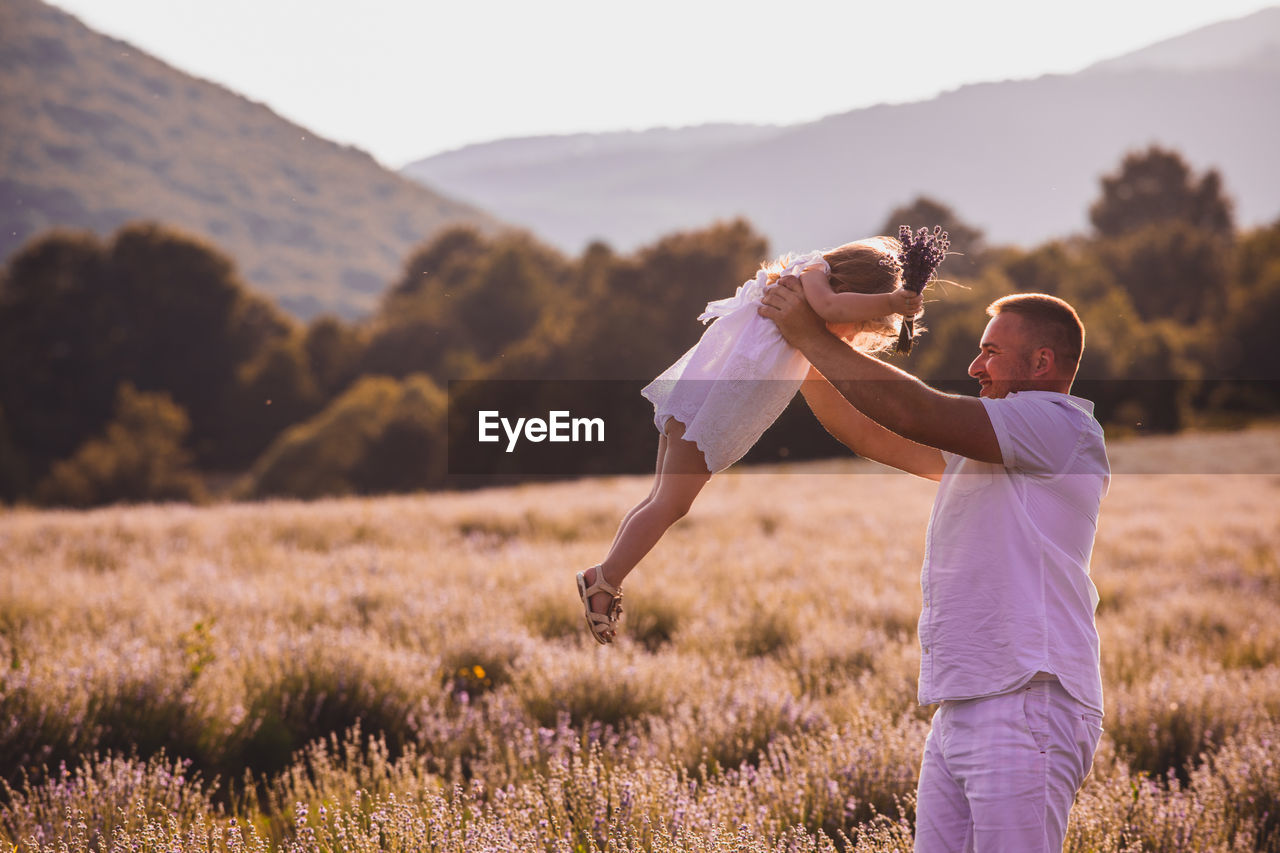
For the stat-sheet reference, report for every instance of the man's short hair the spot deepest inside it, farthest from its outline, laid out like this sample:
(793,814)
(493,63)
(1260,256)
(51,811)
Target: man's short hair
(1056,323)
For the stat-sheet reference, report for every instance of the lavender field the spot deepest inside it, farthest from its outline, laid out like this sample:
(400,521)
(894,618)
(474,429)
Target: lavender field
(413,674)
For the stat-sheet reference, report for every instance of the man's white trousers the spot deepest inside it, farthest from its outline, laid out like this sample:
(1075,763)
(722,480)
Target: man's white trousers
(1000,773)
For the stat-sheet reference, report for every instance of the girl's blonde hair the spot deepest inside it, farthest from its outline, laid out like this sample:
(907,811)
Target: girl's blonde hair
(863,266)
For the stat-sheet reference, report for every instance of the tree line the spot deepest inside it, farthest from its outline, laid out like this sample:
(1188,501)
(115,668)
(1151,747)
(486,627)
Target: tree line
(141,367)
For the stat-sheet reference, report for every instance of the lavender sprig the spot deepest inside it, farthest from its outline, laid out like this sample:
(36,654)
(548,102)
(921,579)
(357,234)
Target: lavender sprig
(918,260)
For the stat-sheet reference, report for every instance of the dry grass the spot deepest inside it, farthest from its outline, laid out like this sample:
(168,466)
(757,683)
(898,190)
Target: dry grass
(411,673)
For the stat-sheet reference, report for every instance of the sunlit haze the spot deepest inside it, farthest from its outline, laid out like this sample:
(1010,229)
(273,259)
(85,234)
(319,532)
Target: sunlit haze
(404,80)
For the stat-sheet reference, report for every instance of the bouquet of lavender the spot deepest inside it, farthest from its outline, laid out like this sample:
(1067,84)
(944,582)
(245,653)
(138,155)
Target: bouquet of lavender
(918,259)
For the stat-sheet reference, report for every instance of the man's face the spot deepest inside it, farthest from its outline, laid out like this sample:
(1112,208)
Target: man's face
(1004,359)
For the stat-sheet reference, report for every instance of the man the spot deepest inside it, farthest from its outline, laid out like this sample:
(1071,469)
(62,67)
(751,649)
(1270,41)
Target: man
(1008,644)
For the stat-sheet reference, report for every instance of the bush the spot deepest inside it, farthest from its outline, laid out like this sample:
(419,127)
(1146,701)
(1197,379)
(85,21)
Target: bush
(382,435)
(140,458)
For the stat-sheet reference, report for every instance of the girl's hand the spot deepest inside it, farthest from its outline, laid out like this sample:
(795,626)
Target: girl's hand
(905,302)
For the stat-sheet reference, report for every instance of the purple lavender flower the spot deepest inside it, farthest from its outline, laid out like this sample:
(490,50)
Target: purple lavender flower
(919,257)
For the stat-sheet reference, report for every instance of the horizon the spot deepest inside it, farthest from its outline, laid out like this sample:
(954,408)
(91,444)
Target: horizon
(575,78)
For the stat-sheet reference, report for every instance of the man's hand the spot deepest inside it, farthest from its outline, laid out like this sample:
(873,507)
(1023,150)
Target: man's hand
(784,304)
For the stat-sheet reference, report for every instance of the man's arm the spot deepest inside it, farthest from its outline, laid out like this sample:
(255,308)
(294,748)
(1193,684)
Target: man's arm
(891,397)
(864,436)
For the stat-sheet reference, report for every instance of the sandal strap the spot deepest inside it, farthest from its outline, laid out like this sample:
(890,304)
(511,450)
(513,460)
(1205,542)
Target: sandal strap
(602,585)
(603,625)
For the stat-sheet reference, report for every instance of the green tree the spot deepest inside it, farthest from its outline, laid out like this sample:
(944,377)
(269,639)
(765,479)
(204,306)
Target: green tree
(334,350)
(273,391)
(13,469)
(409,453)
(642,314)
(1247,352)
(1171,270)
(415,328)
(1166,236)
(1257,260)
(140,457)
(175,300)
(1157,186)
(57,381)
(504,301)
(463,301)
(440,268)
(1244,352)
(255,324)
(154,307)
(380,435)
(1052,268)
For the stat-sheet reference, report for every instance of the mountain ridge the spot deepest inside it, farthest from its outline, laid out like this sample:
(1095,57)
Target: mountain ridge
(1256,37)
(99,133)
(1020,159)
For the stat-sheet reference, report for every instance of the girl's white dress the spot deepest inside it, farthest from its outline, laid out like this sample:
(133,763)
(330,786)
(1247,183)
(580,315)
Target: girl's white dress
(735,381)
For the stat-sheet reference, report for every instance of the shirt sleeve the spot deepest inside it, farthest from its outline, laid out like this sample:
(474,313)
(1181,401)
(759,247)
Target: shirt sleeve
(1037,434)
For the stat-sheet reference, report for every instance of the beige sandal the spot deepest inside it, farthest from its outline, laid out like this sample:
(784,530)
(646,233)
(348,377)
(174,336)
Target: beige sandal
(603,626)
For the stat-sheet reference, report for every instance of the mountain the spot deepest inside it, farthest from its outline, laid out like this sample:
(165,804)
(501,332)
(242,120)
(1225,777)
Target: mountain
(97,133)
(1252,41)
(1019,159)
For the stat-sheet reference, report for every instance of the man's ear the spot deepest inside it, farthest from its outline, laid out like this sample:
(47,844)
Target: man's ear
(1043,362)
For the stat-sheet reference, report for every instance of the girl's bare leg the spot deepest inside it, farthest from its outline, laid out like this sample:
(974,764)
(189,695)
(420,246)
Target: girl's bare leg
(600,601)
(682,475)
(657,473)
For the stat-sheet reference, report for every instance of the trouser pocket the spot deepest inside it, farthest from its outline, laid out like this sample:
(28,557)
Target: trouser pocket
(1088,733)
(1035,711)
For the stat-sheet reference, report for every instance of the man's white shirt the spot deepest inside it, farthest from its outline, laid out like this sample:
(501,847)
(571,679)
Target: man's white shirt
(1005,579)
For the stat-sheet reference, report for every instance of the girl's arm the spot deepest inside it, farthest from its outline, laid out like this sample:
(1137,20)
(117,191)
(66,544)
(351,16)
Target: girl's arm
(854,307)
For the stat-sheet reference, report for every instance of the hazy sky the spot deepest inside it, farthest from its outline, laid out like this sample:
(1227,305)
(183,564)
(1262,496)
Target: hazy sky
(404,79)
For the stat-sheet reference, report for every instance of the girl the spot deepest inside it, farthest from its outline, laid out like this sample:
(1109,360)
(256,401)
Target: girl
(712,405)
